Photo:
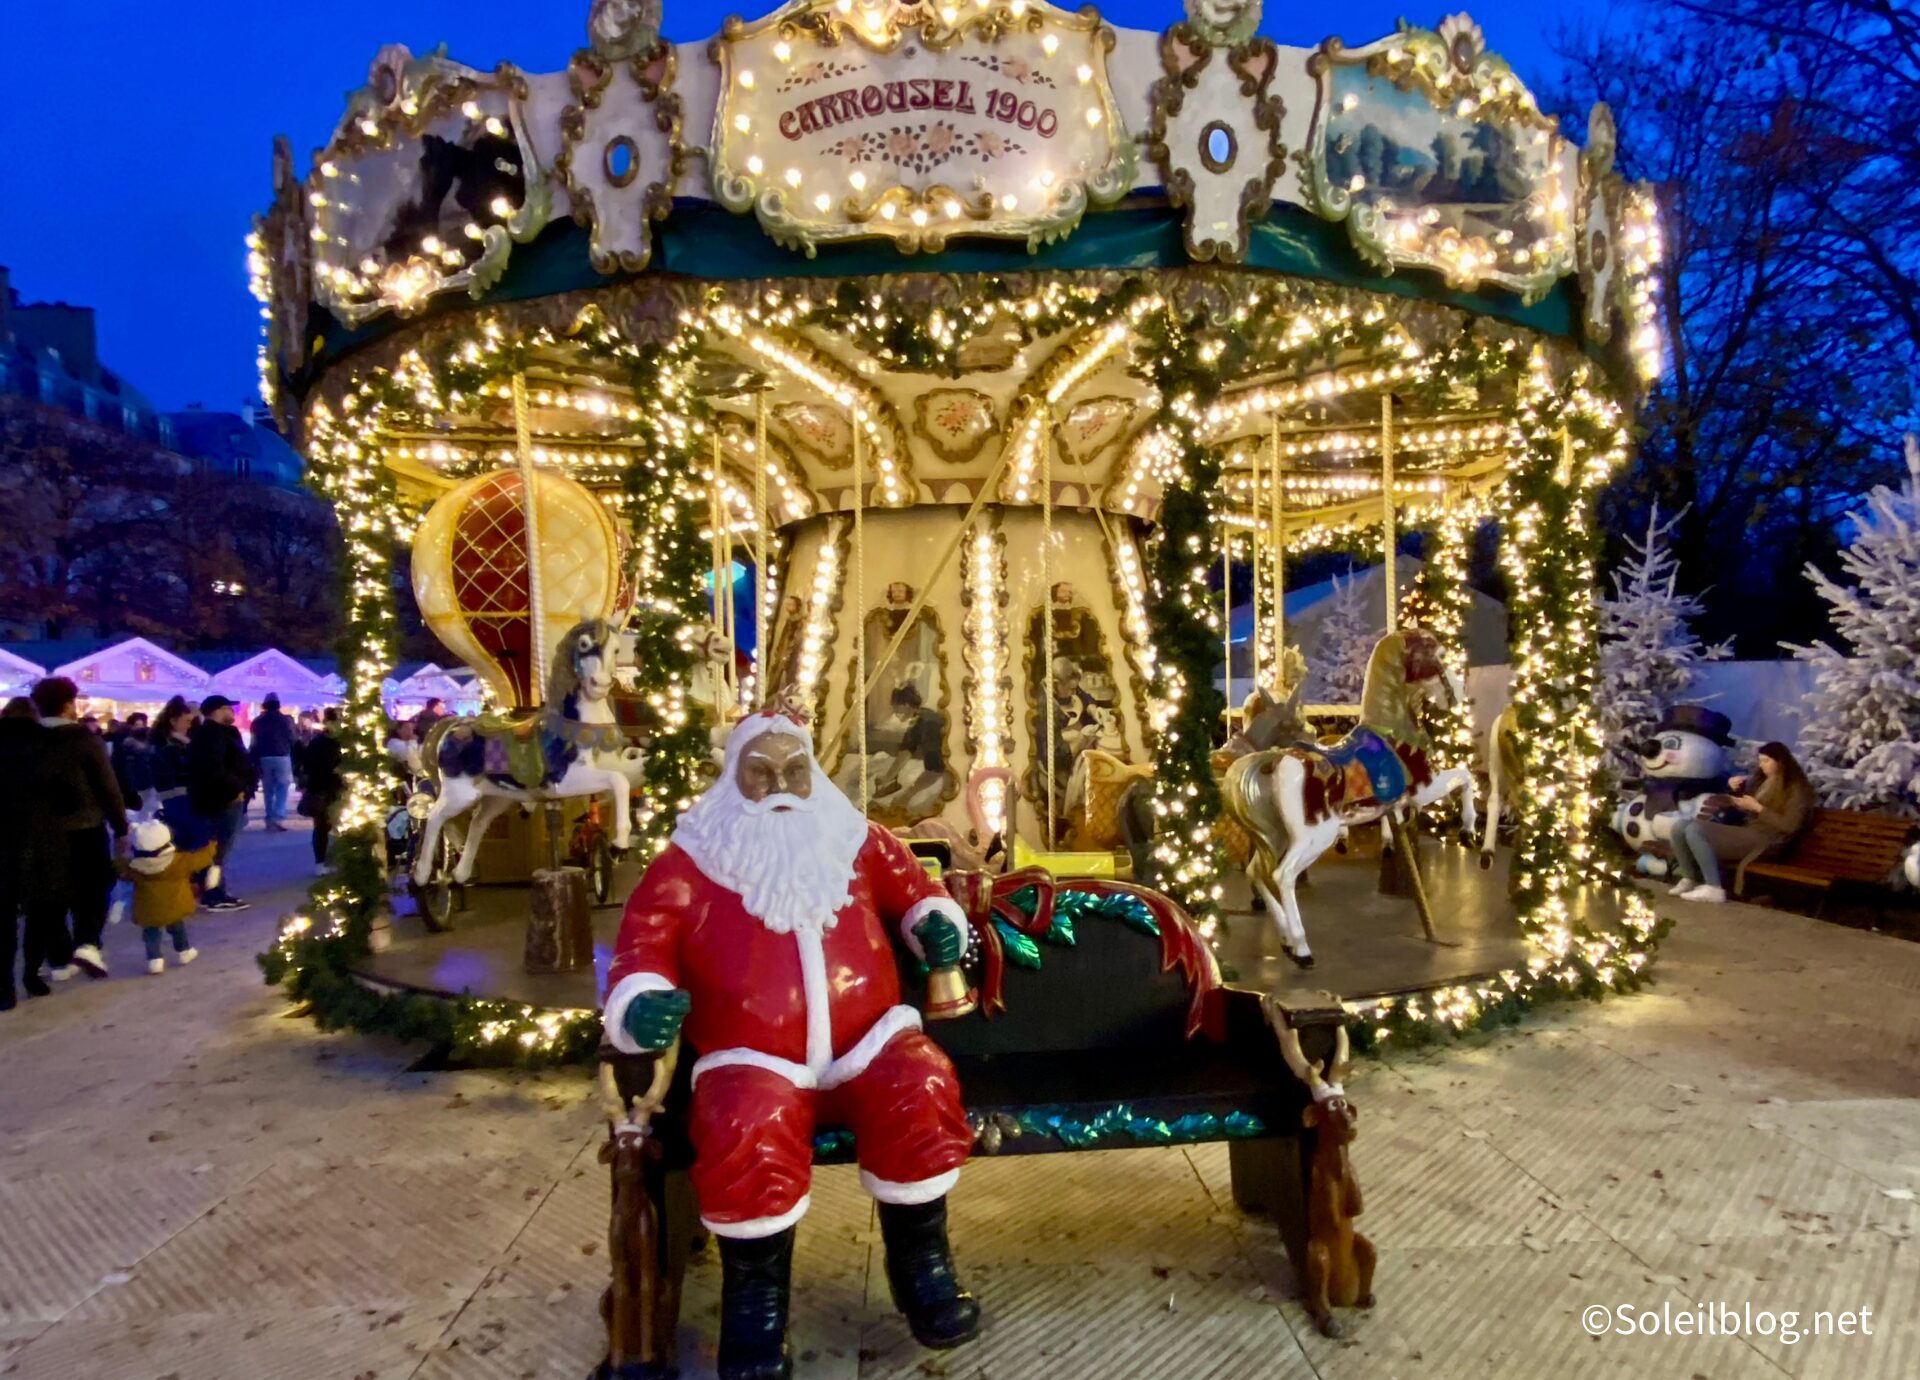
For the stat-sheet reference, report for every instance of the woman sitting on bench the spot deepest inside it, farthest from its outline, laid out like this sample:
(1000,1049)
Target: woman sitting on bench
(1773,814)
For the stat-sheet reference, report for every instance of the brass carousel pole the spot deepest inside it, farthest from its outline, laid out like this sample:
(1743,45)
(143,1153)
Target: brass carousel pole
(530,511)
(1386,510)
(762,587)
(860,607)
(1279,549)
(1253,510)
(1050,709)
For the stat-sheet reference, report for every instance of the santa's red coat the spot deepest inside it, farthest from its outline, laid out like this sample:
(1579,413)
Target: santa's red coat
(795,1029)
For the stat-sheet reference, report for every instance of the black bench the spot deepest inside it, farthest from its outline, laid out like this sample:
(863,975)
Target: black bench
(1109,1031)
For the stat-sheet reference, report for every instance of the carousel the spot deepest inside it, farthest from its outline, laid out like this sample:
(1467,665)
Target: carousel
(941,370)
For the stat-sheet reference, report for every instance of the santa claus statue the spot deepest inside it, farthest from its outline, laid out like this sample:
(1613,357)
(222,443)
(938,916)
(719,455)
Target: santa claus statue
(766,930)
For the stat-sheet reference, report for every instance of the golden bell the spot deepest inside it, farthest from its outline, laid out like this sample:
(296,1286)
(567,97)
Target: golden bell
(948,995)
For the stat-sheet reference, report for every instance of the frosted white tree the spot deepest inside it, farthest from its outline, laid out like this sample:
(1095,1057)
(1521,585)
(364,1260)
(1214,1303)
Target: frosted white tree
(1346,642)
(1861,743)
(1647,647)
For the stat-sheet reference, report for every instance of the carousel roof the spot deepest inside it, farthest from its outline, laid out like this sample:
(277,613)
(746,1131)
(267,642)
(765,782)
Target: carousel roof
(1001,174)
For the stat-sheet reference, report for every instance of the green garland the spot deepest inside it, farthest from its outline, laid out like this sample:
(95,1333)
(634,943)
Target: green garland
(318,946)
(1186,352)
(1183,362)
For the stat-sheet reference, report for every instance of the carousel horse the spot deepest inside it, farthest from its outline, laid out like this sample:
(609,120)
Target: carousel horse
(1109,800)
(1296,801)
(572,747)
(1503,775)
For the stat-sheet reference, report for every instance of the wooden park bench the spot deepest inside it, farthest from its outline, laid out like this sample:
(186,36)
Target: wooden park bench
(1103,1025)
(1838,848)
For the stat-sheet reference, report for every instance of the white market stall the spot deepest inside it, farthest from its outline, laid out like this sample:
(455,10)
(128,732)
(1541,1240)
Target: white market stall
(131,676)
(273,672)
(17,674)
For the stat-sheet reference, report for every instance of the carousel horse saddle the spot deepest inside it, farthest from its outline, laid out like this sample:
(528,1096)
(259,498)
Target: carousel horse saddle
(1373,771)
(508,751)
(1363,772)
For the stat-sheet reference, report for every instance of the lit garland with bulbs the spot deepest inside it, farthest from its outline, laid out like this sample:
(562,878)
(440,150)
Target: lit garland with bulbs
(347,444)
(1567,438)
(1183,361)
(1171,618)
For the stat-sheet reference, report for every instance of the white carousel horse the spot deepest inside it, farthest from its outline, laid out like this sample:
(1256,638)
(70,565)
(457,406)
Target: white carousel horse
(580,751)
(1503,774)
(1296,801)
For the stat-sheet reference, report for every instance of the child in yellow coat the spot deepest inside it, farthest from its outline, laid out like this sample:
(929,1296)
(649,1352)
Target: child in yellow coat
(162,890)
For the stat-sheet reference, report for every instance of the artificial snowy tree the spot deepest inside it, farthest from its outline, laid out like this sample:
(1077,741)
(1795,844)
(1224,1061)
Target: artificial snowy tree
(1861,743)
(1647,648)
(1347,638)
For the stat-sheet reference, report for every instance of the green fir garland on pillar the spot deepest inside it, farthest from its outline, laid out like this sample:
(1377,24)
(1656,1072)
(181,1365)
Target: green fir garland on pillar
(1184,363)
(664,505)
(1566,441)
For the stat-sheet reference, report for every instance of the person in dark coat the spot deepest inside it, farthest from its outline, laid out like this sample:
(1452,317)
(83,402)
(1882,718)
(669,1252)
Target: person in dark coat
(76,801)
(272,750)
(220,777)
(322,784)
(20,735)
(169,743)
(131,765)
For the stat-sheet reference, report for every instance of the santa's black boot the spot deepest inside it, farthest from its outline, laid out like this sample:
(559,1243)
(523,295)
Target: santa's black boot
(920,1272)
(753,1307)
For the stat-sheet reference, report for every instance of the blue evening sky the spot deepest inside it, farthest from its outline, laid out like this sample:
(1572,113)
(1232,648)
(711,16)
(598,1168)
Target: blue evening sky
(134,137)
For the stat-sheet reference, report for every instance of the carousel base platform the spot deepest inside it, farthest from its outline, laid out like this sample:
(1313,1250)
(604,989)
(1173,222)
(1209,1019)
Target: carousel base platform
(1365,944)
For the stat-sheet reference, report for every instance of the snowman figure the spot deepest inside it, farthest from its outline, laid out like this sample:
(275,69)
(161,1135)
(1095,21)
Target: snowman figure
(1682,763)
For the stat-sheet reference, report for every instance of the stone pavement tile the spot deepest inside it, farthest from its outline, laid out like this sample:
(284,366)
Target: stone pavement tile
(13,1336)
(1427,1182)
(554,1338)
(1088,1321)
(564,1245)
(281,1343)
(61,1235)
(1879,1138)
(302,1233)
(1503,1311)
(1068,1209)
(1808,1060)
(1712,1176)
(1516,1075)
(1863,1270)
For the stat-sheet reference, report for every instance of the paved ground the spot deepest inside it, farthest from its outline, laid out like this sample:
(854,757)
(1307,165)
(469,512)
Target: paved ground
(192,1186)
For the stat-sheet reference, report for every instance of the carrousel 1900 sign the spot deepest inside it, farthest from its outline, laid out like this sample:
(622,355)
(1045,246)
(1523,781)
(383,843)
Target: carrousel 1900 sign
(916,122)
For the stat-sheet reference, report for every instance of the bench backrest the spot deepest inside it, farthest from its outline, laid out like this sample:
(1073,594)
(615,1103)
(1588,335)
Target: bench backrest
(1111,988)
(1851,845)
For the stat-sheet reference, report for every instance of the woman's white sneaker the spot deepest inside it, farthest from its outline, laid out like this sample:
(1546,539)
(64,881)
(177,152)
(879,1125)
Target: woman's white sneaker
(186,956)
(1682,887)
(1707,895)
(156,965)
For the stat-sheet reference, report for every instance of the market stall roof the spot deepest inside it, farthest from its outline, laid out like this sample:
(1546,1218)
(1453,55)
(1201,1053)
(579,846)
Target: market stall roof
(17,674)
(433,682)
(274,672)
(136,670)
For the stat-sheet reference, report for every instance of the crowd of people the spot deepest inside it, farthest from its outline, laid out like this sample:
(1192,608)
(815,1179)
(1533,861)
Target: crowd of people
(155,804)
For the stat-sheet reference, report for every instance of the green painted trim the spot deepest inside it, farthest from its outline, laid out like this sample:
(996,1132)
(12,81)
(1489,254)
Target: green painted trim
(701,240)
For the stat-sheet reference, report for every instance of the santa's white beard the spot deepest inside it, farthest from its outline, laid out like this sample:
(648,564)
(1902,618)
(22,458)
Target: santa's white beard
(791,866)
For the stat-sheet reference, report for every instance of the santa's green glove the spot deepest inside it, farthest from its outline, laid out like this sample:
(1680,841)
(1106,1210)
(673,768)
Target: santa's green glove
(653,1019)
(940,941)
